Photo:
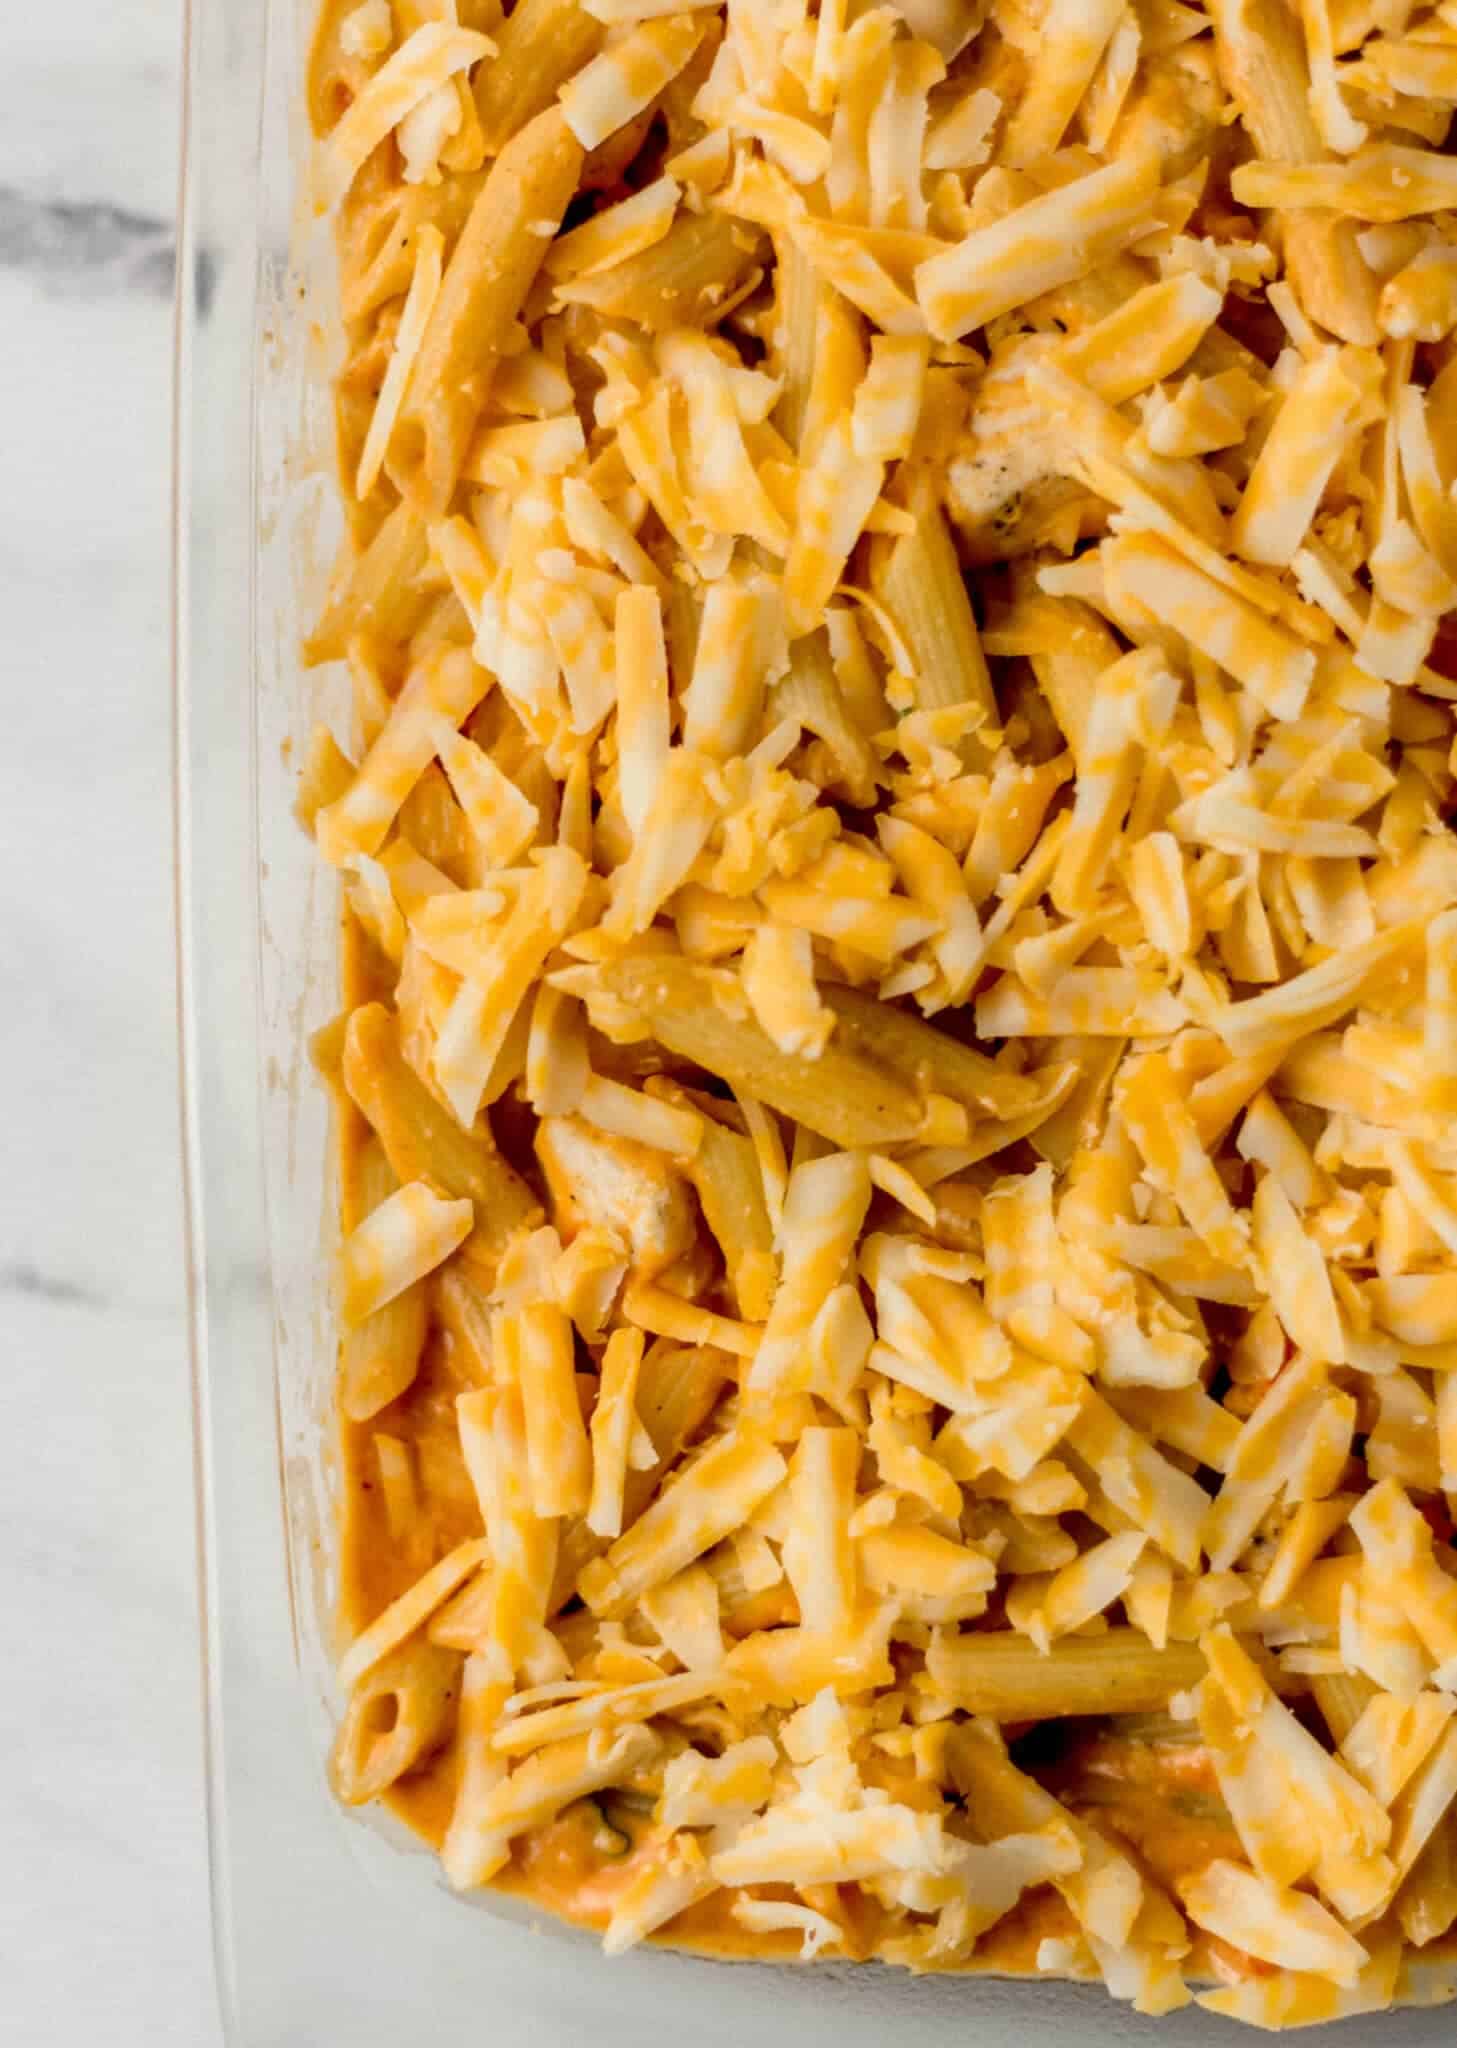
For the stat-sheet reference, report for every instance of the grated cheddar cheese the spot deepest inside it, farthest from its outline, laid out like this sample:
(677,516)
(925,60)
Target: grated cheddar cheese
(898,1080)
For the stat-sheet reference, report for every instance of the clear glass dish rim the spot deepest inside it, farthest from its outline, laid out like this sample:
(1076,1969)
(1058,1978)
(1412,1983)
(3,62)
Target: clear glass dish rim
(252,1583)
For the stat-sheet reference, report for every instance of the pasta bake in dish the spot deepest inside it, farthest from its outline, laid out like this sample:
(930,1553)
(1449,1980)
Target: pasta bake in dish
(897,1085)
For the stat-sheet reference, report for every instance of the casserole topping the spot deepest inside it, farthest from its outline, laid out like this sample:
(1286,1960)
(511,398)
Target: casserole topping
(898,1382)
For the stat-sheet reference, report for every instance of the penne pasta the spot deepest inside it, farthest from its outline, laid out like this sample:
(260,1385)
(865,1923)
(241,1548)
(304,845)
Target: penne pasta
(539,45)
(491,268)
(1008,1678)
(846,1097)
(381,593)
(413,1690)
(926,596)
(419,303)
(423,1143)
(380,1354)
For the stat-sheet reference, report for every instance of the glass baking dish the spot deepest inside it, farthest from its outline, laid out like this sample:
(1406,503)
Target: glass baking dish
(330,1928)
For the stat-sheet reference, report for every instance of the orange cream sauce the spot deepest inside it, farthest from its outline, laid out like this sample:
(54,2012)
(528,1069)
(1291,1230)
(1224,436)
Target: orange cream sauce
(1137,1789)
(560,1869)
(1161,1798)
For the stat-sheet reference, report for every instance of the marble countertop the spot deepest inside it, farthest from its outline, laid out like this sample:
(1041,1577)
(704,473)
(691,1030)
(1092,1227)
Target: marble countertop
(103,1893)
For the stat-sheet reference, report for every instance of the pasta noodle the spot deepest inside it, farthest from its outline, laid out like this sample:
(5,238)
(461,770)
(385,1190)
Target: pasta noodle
(897,1366)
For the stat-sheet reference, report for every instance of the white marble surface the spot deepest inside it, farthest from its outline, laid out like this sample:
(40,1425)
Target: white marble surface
(103,1898)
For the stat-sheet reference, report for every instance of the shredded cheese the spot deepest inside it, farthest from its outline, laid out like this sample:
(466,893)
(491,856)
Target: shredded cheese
(901,972)
(420,66)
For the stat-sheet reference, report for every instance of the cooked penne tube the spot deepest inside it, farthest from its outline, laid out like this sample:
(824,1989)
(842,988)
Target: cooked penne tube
(1006,1677)
(923,589)
(380,1354)
(539,45)
(382,591)
(846,1097)
(799,292)
(490,271)
(410,1695)
(942,1064)
(1263,63)
(1342,1701)
(424,1143)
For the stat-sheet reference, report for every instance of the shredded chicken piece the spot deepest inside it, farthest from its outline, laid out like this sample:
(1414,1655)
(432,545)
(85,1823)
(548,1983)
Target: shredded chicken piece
(623,1187)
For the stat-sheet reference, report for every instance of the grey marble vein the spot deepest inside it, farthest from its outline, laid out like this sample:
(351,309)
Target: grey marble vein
(75,247)
(25,1279)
